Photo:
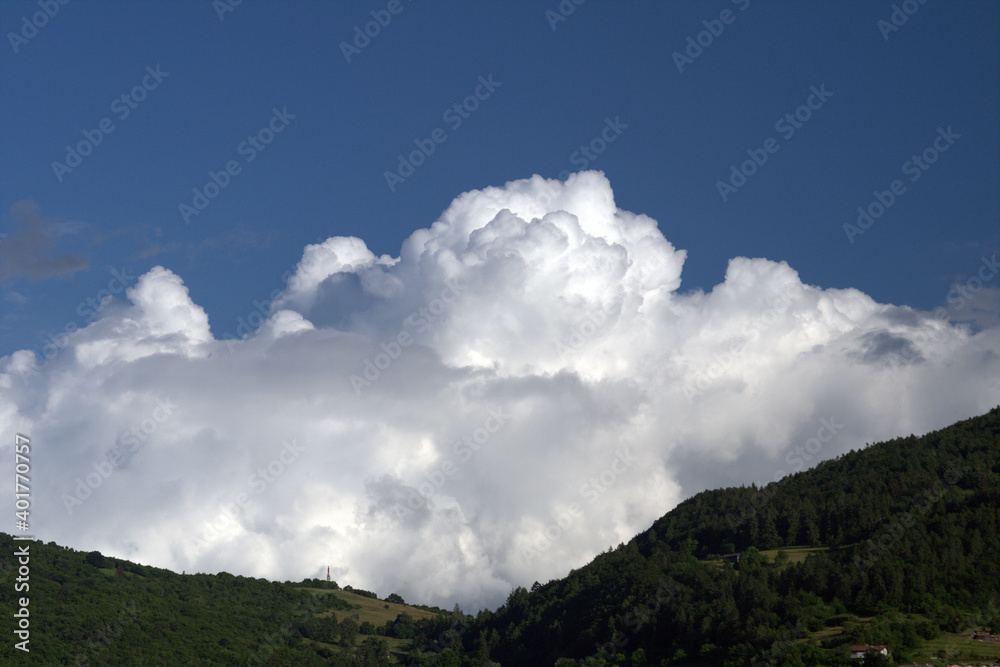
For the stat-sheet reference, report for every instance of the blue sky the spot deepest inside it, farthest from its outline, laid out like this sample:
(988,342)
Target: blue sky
(616,261)
(324,174)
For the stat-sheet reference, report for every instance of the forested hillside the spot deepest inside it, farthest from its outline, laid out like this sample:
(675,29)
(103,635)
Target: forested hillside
(911,529)
(88,609)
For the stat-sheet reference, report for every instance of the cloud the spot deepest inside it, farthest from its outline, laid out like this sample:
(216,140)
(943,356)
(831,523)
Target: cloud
(28,251)
(884,347)
(523,386)
(980,308)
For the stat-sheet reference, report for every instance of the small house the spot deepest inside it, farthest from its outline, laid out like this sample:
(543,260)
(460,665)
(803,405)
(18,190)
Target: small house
(859,652)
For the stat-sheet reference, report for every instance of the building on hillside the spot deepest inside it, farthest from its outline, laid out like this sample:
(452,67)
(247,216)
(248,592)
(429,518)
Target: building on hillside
(859,652)
(983,636)
(731,558)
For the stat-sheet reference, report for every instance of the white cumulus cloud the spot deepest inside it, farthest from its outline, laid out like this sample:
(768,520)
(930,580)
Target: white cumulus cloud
(524,386)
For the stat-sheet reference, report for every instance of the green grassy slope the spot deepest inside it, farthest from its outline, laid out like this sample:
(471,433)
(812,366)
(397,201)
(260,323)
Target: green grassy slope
(123,613)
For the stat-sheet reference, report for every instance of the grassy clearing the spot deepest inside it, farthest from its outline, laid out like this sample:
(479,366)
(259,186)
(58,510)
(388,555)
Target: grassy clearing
(376,612)
(368,609)
(398,648)
(836,630)
(959,647)
(795,554)
(826,633)
(111,573)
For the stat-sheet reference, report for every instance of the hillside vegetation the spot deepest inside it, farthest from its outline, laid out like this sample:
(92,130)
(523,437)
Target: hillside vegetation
(88,609)
(893,544)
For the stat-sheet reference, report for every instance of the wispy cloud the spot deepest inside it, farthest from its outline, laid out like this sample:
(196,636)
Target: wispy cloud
(29,250)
